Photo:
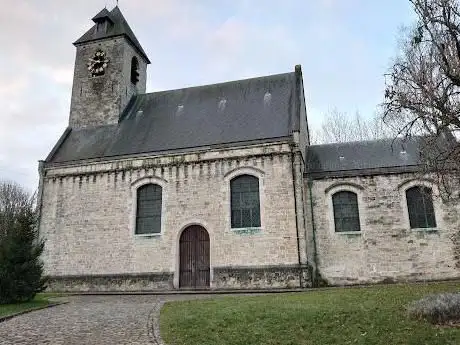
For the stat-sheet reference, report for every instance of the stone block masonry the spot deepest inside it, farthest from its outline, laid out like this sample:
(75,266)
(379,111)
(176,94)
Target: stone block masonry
(290,276)
(88,218)
(112,282)
(385,249)
(100,100)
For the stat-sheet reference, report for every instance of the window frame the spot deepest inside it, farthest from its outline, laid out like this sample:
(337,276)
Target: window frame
(156,191)
(420,190)
(231,175)
(355,196)
(435,200)
(134,193)
(346,187)
(255,223)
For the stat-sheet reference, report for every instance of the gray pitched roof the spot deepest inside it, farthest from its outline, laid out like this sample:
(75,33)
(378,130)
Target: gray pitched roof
(119,27)
(101,16)
(251,110)
(363,157)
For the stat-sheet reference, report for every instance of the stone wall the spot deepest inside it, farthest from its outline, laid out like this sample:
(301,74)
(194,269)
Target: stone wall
(111,282)
(100,100)
(386,249)
(262,277)
(88,215)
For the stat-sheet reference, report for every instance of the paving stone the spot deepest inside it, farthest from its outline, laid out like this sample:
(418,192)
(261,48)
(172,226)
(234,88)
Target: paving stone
(111,320)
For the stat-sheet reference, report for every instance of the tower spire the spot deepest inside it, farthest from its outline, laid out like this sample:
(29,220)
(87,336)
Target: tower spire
(118,27)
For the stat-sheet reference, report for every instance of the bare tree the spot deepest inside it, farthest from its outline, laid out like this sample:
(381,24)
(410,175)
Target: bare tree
(340,127)
(422,95)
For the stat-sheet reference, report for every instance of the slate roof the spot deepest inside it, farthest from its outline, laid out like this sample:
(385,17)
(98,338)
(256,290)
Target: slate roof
(363,158)
(102,15)
(120,27)
(231,113)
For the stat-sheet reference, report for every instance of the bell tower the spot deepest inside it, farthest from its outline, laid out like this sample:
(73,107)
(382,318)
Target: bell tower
(110,68)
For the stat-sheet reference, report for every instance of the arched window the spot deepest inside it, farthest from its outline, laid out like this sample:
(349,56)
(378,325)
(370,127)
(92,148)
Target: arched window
(245,202)
(148,212)
(420,207)
(134,70)
(346,213)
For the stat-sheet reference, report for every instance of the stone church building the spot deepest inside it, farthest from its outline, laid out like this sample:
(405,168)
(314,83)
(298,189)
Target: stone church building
(217,187)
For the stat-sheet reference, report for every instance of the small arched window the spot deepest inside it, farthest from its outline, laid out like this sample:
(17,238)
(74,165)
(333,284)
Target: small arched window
(346,212)
(420,207)
(134,70)
(148,212)
(245,202)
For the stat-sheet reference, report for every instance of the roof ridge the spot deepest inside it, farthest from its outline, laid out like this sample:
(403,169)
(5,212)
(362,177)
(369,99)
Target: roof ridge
(219,83)
(116,12)
(104,13)
(364,141)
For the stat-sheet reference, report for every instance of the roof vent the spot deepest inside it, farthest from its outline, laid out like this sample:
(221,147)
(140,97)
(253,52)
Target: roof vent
(222,104)
(267,98)
(180,109)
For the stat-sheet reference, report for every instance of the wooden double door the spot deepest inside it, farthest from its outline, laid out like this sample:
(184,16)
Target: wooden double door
(194,258)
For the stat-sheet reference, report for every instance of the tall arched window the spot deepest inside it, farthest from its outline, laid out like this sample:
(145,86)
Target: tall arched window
(420,207)
(148,212)
(346,213)
(245,202)
(134,70)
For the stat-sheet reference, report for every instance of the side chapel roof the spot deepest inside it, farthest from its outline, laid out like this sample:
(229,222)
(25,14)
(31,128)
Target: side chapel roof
(373,157)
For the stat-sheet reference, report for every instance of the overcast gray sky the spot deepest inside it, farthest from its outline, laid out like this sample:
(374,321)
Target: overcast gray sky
(344,46)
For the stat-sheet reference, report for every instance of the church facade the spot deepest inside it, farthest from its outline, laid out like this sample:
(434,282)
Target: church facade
(217,187)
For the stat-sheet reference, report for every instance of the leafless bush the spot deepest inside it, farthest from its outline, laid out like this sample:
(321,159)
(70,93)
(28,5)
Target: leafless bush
(438,309)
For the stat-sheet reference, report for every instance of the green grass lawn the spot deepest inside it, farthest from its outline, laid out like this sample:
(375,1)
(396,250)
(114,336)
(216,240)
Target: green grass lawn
(374,315)
(39,301)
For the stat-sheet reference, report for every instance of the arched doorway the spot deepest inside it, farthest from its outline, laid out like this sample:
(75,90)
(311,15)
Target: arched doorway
(194,258)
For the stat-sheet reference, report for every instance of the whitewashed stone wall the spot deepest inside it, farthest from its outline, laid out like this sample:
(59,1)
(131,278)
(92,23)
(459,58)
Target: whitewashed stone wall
(386,249)
(88,213)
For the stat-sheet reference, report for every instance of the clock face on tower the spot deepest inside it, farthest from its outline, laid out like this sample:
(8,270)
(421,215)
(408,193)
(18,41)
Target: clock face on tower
(98,64)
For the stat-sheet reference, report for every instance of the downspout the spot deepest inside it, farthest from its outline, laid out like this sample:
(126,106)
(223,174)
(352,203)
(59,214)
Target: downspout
(313,227)
(293,154)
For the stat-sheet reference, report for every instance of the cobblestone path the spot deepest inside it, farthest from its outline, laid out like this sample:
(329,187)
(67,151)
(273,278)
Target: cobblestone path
(114,320)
